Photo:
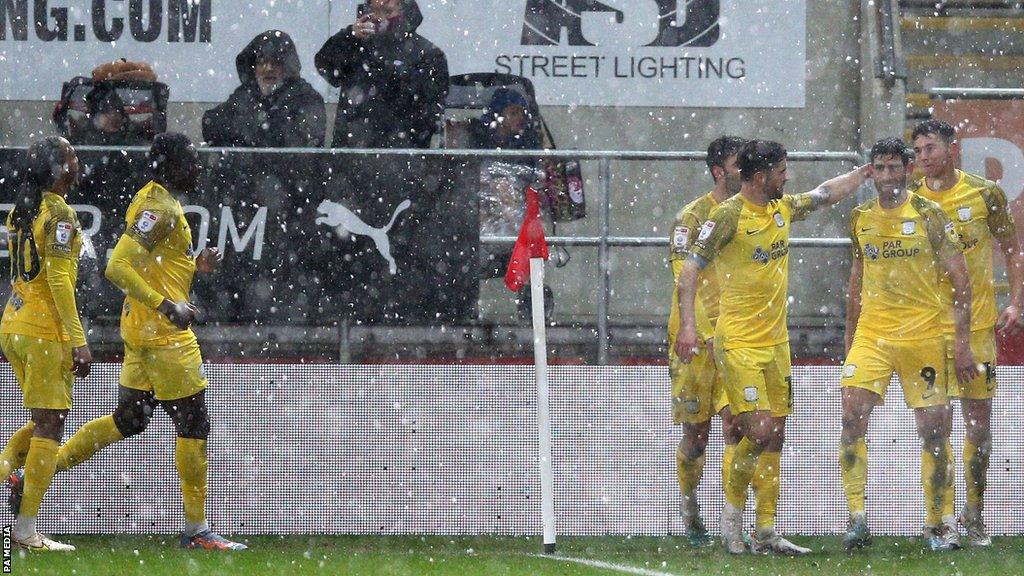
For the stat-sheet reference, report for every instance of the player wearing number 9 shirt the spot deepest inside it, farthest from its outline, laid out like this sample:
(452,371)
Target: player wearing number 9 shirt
(903,246)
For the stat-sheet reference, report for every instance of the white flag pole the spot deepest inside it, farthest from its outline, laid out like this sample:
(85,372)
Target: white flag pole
(540,355)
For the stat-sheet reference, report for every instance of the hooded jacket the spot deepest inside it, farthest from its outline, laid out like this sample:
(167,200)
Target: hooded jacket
(292,116)
(393,85)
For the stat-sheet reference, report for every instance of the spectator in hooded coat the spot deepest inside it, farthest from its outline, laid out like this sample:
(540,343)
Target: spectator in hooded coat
(274,106)
(393,81)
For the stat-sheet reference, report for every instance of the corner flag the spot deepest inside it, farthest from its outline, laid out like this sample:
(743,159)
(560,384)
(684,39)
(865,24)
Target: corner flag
(530,244)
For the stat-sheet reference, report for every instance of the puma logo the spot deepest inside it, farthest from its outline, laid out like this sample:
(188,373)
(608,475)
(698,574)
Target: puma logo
(340,217)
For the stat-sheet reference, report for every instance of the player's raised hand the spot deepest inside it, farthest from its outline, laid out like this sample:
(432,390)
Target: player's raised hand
(686,343)
(1010,322)
(81,361)
(181,314)
(209,260)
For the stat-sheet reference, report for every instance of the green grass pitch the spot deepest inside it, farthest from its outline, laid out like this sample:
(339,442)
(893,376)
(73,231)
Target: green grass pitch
(435,555)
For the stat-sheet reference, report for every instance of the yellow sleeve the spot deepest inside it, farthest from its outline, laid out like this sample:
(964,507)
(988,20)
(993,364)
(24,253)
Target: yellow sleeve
(151,225)
(942,234)
(60,230)
(684,230)
(1000,221)
(800,205)
(59,277)
(716,233)
(127,256)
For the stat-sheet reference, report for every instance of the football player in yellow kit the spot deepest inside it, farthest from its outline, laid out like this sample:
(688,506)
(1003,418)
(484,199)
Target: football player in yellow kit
(697,393)
(748,237)
(903,247)
(41,332)
(978,209)
(154,265)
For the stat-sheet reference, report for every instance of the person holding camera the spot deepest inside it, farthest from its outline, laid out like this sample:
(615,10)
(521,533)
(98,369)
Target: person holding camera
(393,81)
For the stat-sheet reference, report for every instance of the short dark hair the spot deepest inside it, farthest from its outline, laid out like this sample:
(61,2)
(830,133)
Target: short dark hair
(721,148)
(169,153)
(174,161)
(892,147)
(758,156)
(934,127)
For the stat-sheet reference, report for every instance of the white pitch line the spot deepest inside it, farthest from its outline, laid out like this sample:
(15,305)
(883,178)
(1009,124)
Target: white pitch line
(605,565)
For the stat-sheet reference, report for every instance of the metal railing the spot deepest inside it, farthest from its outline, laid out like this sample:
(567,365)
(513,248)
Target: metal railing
(976,93)
(604,241)
(889,66)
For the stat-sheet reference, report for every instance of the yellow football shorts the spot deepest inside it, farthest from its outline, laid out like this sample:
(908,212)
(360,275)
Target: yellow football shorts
(756,378)
(920,364)
(983,344)
(43,370)
(170,372)
(697,392)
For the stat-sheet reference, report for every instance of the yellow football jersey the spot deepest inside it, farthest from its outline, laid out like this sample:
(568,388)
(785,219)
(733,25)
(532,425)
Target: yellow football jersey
(31,309)
(684,231)
(978,210)
(156,221)
(901,249)
(751,245)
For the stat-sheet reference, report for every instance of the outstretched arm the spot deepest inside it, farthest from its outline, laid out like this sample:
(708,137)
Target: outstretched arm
(839,188)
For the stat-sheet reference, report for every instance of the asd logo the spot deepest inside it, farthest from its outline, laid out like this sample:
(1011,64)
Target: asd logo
(659,22)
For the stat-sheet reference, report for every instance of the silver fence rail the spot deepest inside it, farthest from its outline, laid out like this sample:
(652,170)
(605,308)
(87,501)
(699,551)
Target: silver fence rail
(943,93)
(604,241)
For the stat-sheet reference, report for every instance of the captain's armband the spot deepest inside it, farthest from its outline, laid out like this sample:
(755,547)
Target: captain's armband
(701,261)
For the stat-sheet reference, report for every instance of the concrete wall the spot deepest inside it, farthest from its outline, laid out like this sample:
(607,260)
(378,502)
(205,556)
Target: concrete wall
(645,196)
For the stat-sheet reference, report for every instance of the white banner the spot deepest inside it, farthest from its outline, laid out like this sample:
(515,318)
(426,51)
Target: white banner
(698,53)
(192,44)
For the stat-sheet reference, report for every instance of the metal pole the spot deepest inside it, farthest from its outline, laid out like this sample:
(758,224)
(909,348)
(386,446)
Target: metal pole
(603,263)
(650,155)
(540,358)
(977,93)
(649,241)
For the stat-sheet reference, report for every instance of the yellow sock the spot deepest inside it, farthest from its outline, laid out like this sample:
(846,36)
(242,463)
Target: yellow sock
(90,439)
(744,462)
(975,473)
(190,459)
(40,465)
(766,488)
(13,456)
(949,496)
(933,479)
(853,461)
(689,471)
(727,454)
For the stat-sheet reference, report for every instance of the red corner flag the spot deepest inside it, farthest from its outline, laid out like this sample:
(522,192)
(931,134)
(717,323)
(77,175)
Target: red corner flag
(530,244)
